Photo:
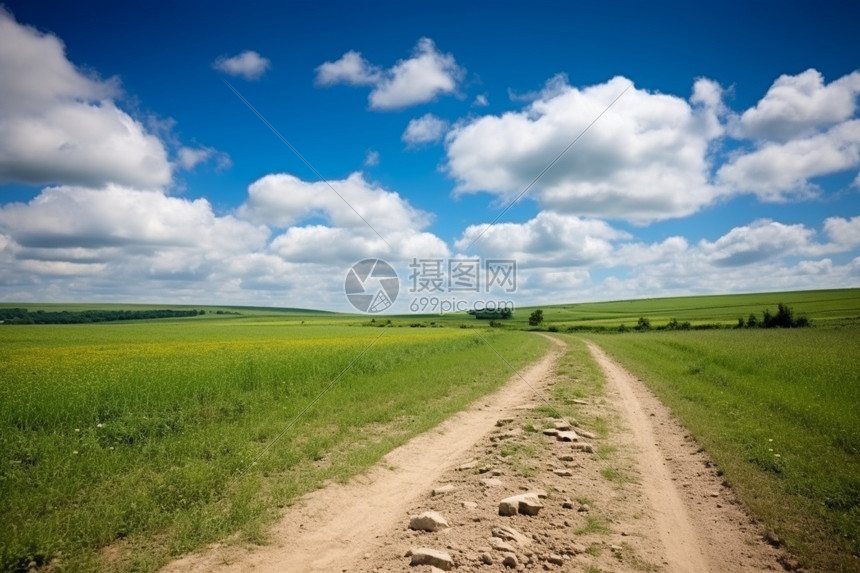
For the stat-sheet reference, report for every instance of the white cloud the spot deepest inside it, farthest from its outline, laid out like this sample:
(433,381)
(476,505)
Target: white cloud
(425,129)
(350,69)
(800,105)
(481,101)
(248,64)
(645,159)
(419,79)
(58,125)
(283,200)
(549,239)
(843,231)
(760,241)
(780,171)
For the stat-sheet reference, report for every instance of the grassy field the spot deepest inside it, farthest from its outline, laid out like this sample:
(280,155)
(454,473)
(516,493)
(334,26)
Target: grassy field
(125,444)
(821,306)
(779,411)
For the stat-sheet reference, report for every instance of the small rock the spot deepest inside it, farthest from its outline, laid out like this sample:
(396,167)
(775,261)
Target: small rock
(587,435)
(510,561)
(567,458)
(526,503)
(615,548)
(433,557)
(441,490)
(569,436)
(550,432)
(470,505)
(715,494)
(555,559)
(562,473)
(580,402)
(511,534)
(491,482)
(588,448)
(468,466)
(497,473)
(500,545)
(428,521)
(584,508)
(567,504)
(563,426)
(486,558)
(503,421)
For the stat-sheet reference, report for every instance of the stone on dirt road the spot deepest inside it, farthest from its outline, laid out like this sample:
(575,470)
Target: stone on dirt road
(500,545)
(511,534)
(550,432)
(588,448)
(433,557)
(442,490)
(555,559)
(503,422)
(491,482)
(526,503)
(510,561)
(428,521)
(562,473)
(567,436)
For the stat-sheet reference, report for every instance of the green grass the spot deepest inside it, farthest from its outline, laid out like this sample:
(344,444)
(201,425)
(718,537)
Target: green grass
(779,411)
(821,306)
(124,445)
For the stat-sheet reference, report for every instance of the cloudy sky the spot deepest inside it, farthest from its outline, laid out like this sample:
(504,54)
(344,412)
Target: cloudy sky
(211,153)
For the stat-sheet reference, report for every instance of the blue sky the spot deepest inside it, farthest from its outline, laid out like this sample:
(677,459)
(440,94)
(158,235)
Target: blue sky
(130,171)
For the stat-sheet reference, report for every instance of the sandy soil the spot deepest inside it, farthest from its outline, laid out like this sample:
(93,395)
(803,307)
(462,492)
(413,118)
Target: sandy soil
(671,511)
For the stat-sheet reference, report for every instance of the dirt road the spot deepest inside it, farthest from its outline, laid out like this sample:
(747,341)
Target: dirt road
(670,512)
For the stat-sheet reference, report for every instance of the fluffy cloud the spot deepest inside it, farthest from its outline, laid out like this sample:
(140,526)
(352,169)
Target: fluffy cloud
(351,69)
(645,159)
(58,125)
(549,239)
(283,200)
(425,129)
(248,64)
(801,104)
(843,231)
(419,79)
(780,171)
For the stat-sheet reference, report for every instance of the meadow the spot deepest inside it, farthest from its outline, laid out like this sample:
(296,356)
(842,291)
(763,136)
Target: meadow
(127,444)
(822,306)
(779,412)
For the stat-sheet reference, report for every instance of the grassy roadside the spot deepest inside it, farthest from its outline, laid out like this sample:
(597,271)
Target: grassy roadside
(778,411)
(121,442)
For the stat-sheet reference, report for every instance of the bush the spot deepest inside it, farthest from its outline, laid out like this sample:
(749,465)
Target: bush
(536,318)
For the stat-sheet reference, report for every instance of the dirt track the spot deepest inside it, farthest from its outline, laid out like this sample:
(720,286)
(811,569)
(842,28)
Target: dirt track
(672,513)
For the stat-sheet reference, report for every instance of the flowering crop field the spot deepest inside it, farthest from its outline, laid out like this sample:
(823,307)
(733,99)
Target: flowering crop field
(122,445)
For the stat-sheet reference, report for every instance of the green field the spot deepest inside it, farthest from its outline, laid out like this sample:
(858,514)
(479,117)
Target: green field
(140,437)
(126,444)
(822,306)
(779,411)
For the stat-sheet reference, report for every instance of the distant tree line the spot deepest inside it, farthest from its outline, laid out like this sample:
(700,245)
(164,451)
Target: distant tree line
(24,316)
(784,318)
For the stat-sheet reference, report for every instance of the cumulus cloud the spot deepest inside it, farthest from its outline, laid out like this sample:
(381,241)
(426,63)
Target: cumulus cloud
(645,159)
(425,129)
(415,80)
(549,239)
(843,231)
(800,104)
(248,64)
(351,69)
(58,125)
(283,200)
(481,101)
(780,171)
